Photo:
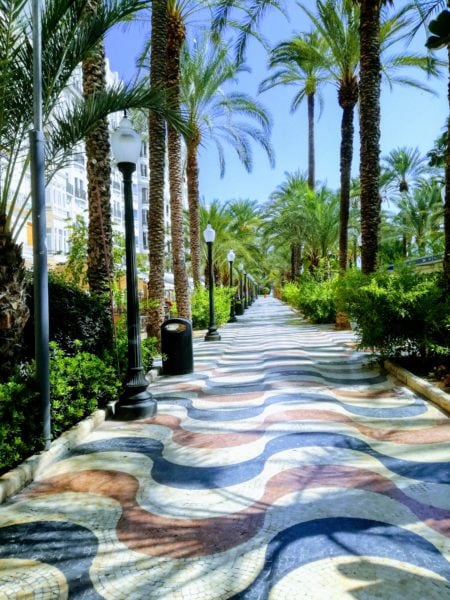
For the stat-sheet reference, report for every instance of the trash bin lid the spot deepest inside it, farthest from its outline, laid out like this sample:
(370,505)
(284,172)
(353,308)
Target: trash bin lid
(175,327)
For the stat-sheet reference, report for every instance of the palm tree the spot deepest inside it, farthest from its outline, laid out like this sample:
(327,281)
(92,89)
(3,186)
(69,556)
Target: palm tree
(67,40)
(338,25)
(300,217)
(213,114)
(157,156)
(253,12)
(420,215)
(303,62)
(178,13)
(98,166)
(369,125)
(404,166)
(285,217)
(441,39)
(246,221)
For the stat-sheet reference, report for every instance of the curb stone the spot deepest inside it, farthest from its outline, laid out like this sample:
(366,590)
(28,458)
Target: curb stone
(13,481)
(427,389)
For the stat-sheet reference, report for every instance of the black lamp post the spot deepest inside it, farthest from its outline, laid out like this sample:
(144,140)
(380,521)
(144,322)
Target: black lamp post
(212,335)
(245,290)
(249,288)
(136,401)
(230,257)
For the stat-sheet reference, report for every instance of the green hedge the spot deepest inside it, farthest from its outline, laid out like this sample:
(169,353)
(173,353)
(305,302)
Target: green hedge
(399,314)
(75,315)
(315,299)
(78,385)
(200,306)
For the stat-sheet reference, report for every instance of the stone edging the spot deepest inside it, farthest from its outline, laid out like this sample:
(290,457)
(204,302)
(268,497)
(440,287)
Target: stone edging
(427,389)
(13,481)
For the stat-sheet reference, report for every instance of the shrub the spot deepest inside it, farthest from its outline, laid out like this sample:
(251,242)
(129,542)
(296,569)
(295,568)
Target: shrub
(78,385)
(75,316)
(290,293)
(148,346)
(19,423)
(399,313)
(315,299)
(200,306)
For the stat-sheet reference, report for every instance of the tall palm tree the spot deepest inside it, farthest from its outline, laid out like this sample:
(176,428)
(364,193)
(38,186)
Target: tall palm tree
(338,24)
(213,115)
(157,157)
(98,166)
(285,217)
(178,13)
(303,62)
(441,39)
(369,126)
(404,166)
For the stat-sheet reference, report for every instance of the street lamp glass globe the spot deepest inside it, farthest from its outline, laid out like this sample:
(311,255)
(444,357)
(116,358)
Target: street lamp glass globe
(231,256)
(209,235)
(125,143)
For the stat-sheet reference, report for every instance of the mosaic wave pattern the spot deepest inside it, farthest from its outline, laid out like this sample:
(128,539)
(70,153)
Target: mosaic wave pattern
(283,468)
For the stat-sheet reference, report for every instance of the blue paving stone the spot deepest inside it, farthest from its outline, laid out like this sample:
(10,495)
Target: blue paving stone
(333,537)
(66,546)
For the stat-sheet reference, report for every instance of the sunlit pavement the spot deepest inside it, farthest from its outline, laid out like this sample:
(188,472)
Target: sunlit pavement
(283,468)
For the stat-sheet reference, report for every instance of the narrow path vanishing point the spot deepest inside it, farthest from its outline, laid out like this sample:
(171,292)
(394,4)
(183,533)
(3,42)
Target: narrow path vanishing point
(283,468)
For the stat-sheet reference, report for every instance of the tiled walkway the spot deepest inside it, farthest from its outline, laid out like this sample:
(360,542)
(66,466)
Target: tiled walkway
(283,468)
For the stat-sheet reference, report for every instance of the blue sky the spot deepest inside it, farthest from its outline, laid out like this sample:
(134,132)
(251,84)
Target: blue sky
(409,118)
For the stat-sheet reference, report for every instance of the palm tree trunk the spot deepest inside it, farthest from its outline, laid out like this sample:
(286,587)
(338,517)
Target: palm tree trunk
(194,209)
(157,152)
(181,282)
(447,202)
(14,311)
(311,151)
(347,131)
(98,167)
(369,112)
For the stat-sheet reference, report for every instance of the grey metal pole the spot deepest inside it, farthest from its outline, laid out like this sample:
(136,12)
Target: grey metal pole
(212,334)
(136,401)
(37,155)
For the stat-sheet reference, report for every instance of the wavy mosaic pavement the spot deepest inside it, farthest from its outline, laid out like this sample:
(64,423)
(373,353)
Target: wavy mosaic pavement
(284,467)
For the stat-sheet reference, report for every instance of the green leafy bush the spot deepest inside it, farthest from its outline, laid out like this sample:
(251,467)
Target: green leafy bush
(19,423)
(75,315)
(148,346)
(78,385)
(290,293)
(403,313)
(200,306)
(315,299)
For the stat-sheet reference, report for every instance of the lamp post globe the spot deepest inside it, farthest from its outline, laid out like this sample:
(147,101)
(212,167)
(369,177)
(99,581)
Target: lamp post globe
(230,257)
(212,335)
(136,402)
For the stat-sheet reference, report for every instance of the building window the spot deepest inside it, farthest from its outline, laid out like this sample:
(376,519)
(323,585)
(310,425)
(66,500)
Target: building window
(145,239)
(144,195)
(144,170)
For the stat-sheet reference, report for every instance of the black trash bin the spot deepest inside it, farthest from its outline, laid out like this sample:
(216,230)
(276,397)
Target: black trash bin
(176,347)
(238,308)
